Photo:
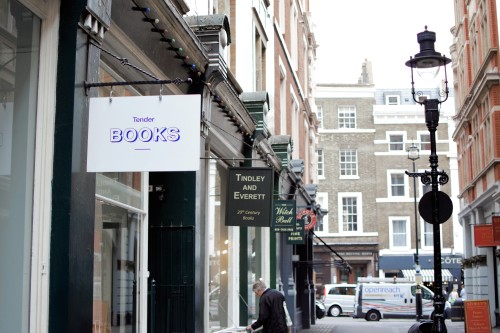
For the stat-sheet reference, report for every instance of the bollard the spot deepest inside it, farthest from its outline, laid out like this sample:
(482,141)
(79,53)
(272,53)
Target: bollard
(457,310)
(422,327)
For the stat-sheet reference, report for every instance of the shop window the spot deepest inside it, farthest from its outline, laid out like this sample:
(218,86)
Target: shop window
(116,267)
(119,223)
(219,251)
(19,68)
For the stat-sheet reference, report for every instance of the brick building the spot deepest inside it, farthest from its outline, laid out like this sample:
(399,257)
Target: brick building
(362,152)
(477,97)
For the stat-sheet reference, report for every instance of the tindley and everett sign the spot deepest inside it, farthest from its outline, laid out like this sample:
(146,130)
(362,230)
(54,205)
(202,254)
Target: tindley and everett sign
(249,197)
(144,133)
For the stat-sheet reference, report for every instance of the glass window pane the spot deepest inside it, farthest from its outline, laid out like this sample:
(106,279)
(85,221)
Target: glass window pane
(397,185)
(396,142)
(116,248)
(399,233)
(348,162)
(428,234)
(425,142)
(19,57)
(321,163)
(219,250)
(350,214)
(124,187)
(347,116)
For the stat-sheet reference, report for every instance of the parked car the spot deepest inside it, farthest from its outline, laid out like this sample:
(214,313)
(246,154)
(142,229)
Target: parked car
(339,298)
(320,309)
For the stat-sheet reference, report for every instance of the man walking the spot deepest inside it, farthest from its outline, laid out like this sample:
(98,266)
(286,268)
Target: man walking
(271,311)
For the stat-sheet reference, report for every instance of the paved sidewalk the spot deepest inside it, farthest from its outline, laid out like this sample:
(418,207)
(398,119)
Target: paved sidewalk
(330,325)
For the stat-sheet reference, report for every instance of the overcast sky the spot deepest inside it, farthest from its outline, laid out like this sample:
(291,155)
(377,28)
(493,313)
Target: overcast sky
(383,31)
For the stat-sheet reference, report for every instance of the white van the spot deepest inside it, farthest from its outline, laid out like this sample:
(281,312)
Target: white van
(339,298)
(390,300)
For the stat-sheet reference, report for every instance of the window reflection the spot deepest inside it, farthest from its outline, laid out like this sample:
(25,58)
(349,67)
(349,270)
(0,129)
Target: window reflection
(220,247)
(19,56)
(116,244)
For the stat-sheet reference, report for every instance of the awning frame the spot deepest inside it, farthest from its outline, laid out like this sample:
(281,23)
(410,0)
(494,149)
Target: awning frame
(427,275)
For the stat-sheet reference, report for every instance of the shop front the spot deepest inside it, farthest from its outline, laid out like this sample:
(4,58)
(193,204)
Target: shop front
(111,233)
(402,266)
(141,238)
(28,43)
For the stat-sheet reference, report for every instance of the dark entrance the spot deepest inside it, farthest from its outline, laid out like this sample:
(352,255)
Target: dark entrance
(172,252)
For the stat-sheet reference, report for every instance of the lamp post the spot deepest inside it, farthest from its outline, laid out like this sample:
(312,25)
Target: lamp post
(435,206)
(413,155)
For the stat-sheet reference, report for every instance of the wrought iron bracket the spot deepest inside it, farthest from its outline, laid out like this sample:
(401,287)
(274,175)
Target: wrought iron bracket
(177,81)
(426,176)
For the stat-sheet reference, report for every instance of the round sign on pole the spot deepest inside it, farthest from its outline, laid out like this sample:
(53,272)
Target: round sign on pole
(309,218)
(445,207)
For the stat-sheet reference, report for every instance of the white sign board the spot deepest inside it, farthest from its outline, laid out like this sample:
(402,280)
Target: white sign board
(144,133)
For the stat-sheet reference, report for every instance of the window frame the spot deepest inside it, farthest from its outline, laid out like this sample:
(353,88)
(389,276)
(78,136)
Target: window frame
(424,145)
(319,115)
(359,211)
(320,160)
(322,200)
(350,120)
(388,98)
(401,143)
(342,165)
(390,185)
(426,230)
(406,220)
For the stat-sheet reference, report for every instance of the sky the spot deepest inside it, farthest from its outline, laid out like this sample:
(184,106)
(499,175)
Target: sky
(382,31)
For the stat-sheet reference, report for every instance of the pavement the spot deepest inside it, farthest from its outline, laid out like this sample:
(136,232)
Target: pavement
(331,325)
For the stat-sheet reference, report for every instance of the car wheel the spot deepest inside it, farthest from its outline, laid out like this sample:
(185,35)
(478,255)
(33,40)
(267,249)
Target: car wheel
(372,315)
(335,311)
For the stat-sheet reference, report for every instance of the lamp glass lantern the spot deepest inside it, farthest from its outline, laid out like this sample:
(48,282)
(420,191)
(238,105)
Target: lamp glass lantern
(413,152)
(427,62)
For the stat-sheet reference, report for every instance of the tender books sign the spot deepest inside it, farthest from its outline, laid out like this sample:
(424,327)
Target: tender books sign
(249,197)
(144,133)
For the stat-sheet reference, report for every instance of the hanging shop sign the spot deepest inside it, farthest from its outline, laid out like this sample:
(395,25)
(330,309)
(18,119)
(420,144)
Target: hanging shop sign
(483,236)
(298,236)
(144,133)
(309,218)
(496,229)
(284,215)
(249,197)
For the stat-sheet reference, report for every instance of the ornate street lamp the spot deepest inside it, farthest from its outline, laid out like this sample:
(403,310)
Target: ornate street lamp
(413,155)
(435,206)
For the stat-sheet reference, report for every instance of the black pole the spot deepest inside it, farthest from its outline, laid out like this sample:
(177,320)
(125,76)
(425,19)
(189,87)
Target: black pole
(418,292)
(432,121)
